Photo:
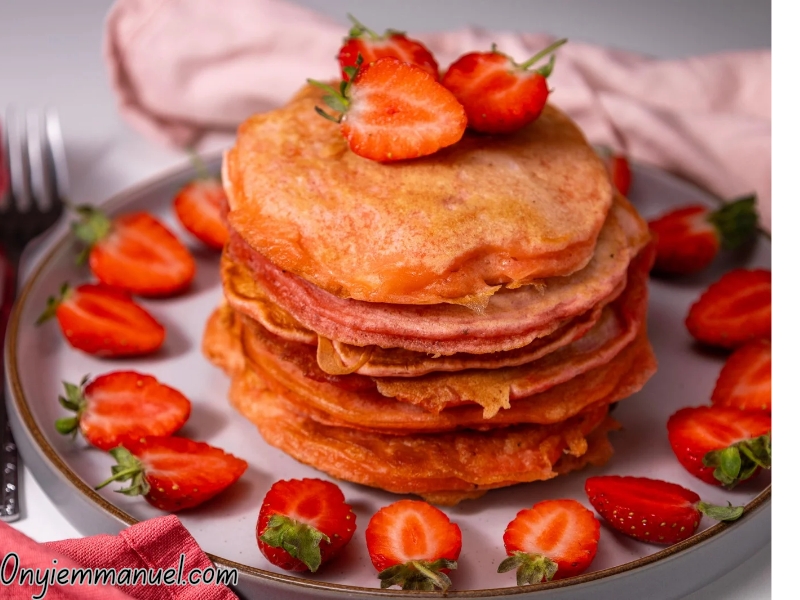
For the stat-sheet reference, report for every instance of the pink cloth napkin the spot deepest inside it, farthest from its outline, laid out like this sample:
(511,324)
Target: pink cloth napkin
(182,68)
(154,544)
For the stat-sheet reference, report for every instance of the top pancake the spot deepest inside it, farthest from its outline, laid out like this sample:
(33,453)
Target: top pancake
(451,227)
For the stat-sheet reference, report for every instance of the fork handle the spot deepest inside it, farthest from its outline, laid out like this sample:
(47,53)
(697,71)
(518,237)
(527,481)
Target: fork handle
(9,464)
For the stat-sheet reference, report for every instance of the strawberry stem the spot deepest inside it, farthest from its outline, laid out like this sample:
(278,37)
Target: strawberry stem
(127,467)
(53,302)
(540,55)
(358,29)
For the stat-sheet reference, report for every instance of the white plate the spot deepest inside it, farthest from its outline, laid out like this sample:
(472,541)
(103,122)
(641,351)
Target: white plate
(38,360)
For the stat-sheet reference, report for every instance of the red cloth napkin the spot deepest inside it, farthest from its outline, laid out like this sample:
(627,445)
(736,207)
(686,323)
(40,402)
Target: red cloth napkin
(154,544)
(182,68)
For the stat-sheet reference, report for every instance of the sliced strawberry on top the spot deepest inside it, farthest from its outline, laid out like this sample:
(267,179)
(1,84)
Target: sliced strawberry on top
(134,252)
(413,545)
(393,110)
(689,238)
(735,310)
(652,510)
(104,321)
(721,445)
(745,381)
(498,94)
(173,473)
(371,46)
(199,206)
(552,540)
(303,523)
(118,408)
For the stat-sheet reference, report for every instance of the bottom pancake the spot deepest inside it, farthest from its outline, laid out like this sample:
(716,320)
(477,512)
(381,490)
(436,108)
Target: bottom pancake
(444,468)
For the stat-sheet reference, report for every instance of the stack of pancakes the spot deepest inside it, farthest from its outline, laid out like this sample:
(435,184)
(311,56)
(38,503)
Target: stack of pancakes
(440,326)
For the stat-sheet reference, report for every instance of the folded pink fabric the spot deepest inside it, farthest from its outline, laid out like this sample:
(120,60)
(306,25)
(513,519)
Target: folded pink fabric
(153,545)
(182,68)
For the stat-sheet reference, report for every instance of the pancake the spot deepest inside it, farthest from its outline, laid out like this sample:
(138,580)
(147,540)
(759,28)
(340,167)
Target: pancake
(443,468)
(330,404)
(453,227)
(512,319)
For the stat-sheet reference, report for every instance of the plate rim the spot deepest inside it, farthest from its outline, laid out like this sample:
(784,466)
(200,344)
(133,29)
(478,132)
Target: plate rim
(58,466)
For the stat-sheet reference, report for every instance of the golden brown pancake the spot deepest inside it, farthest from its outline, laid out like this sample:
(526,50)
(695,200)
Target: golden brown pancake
(452,227)
(512,319)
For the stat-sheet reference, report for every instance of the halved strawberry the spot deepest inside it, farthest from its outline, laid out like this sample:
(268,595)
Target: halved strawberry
(303,523)
(619,169)
(134,252)
(173,473)
(552,540)
(393,110)
(413,545)
(745,381)
(689,238)
(652,510)
(721,445)
(104,321)
(371,46)
(120,407)
(198,206)
(498,94)
(735,310)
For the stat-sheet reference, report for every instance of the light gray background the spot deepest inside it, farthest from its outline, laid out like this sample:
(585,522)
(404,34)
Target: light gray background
(49,55)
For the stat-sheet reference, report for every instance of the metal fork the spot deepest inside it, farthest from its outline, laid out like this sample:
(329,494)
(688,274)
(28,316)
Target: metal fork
(33,184)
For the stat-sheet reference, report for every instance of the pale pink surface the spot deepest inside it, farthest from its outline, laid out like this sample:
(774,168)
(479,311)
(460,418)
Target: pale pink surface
(181,68)
(153,544)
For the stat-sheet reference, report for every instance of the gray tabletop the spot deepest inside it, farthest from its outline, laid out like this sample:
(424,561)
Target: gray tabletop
(50,55)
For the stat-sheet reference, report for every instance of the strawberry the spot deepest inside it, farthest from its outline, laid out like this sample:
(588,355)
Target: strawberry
(393,110)
(735,310)
(134,252)
(303,523)
(619,169)
(721,445)
(552,540)
(173,473)
(120,407)
(745,381)
(413,544)
(104,321)
(499,95)
(198,206)
(371,46)
(652,510)
(689,238)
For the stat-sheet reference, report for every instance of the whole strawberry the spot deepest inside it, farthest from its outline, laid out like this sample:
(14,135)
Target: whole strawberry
(733,311)
(173,473)
(553,539)
(134,252)
(721,446)
(413,545)
(104,321)
(652,510)
(689,238)
(303,523)
(363,42)
(392,110)
(121,407)
(498,94)
(745,381)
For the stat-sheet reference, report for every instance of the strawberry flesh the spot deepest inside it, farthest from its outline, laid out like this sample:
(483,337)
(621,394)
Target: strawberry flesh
(686,241)
(413,544)
(104,321)
(315,523)
(199,206)
(745,381)
(552,540)
(651,510)
(397,111)
(735,310)
(694,432)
